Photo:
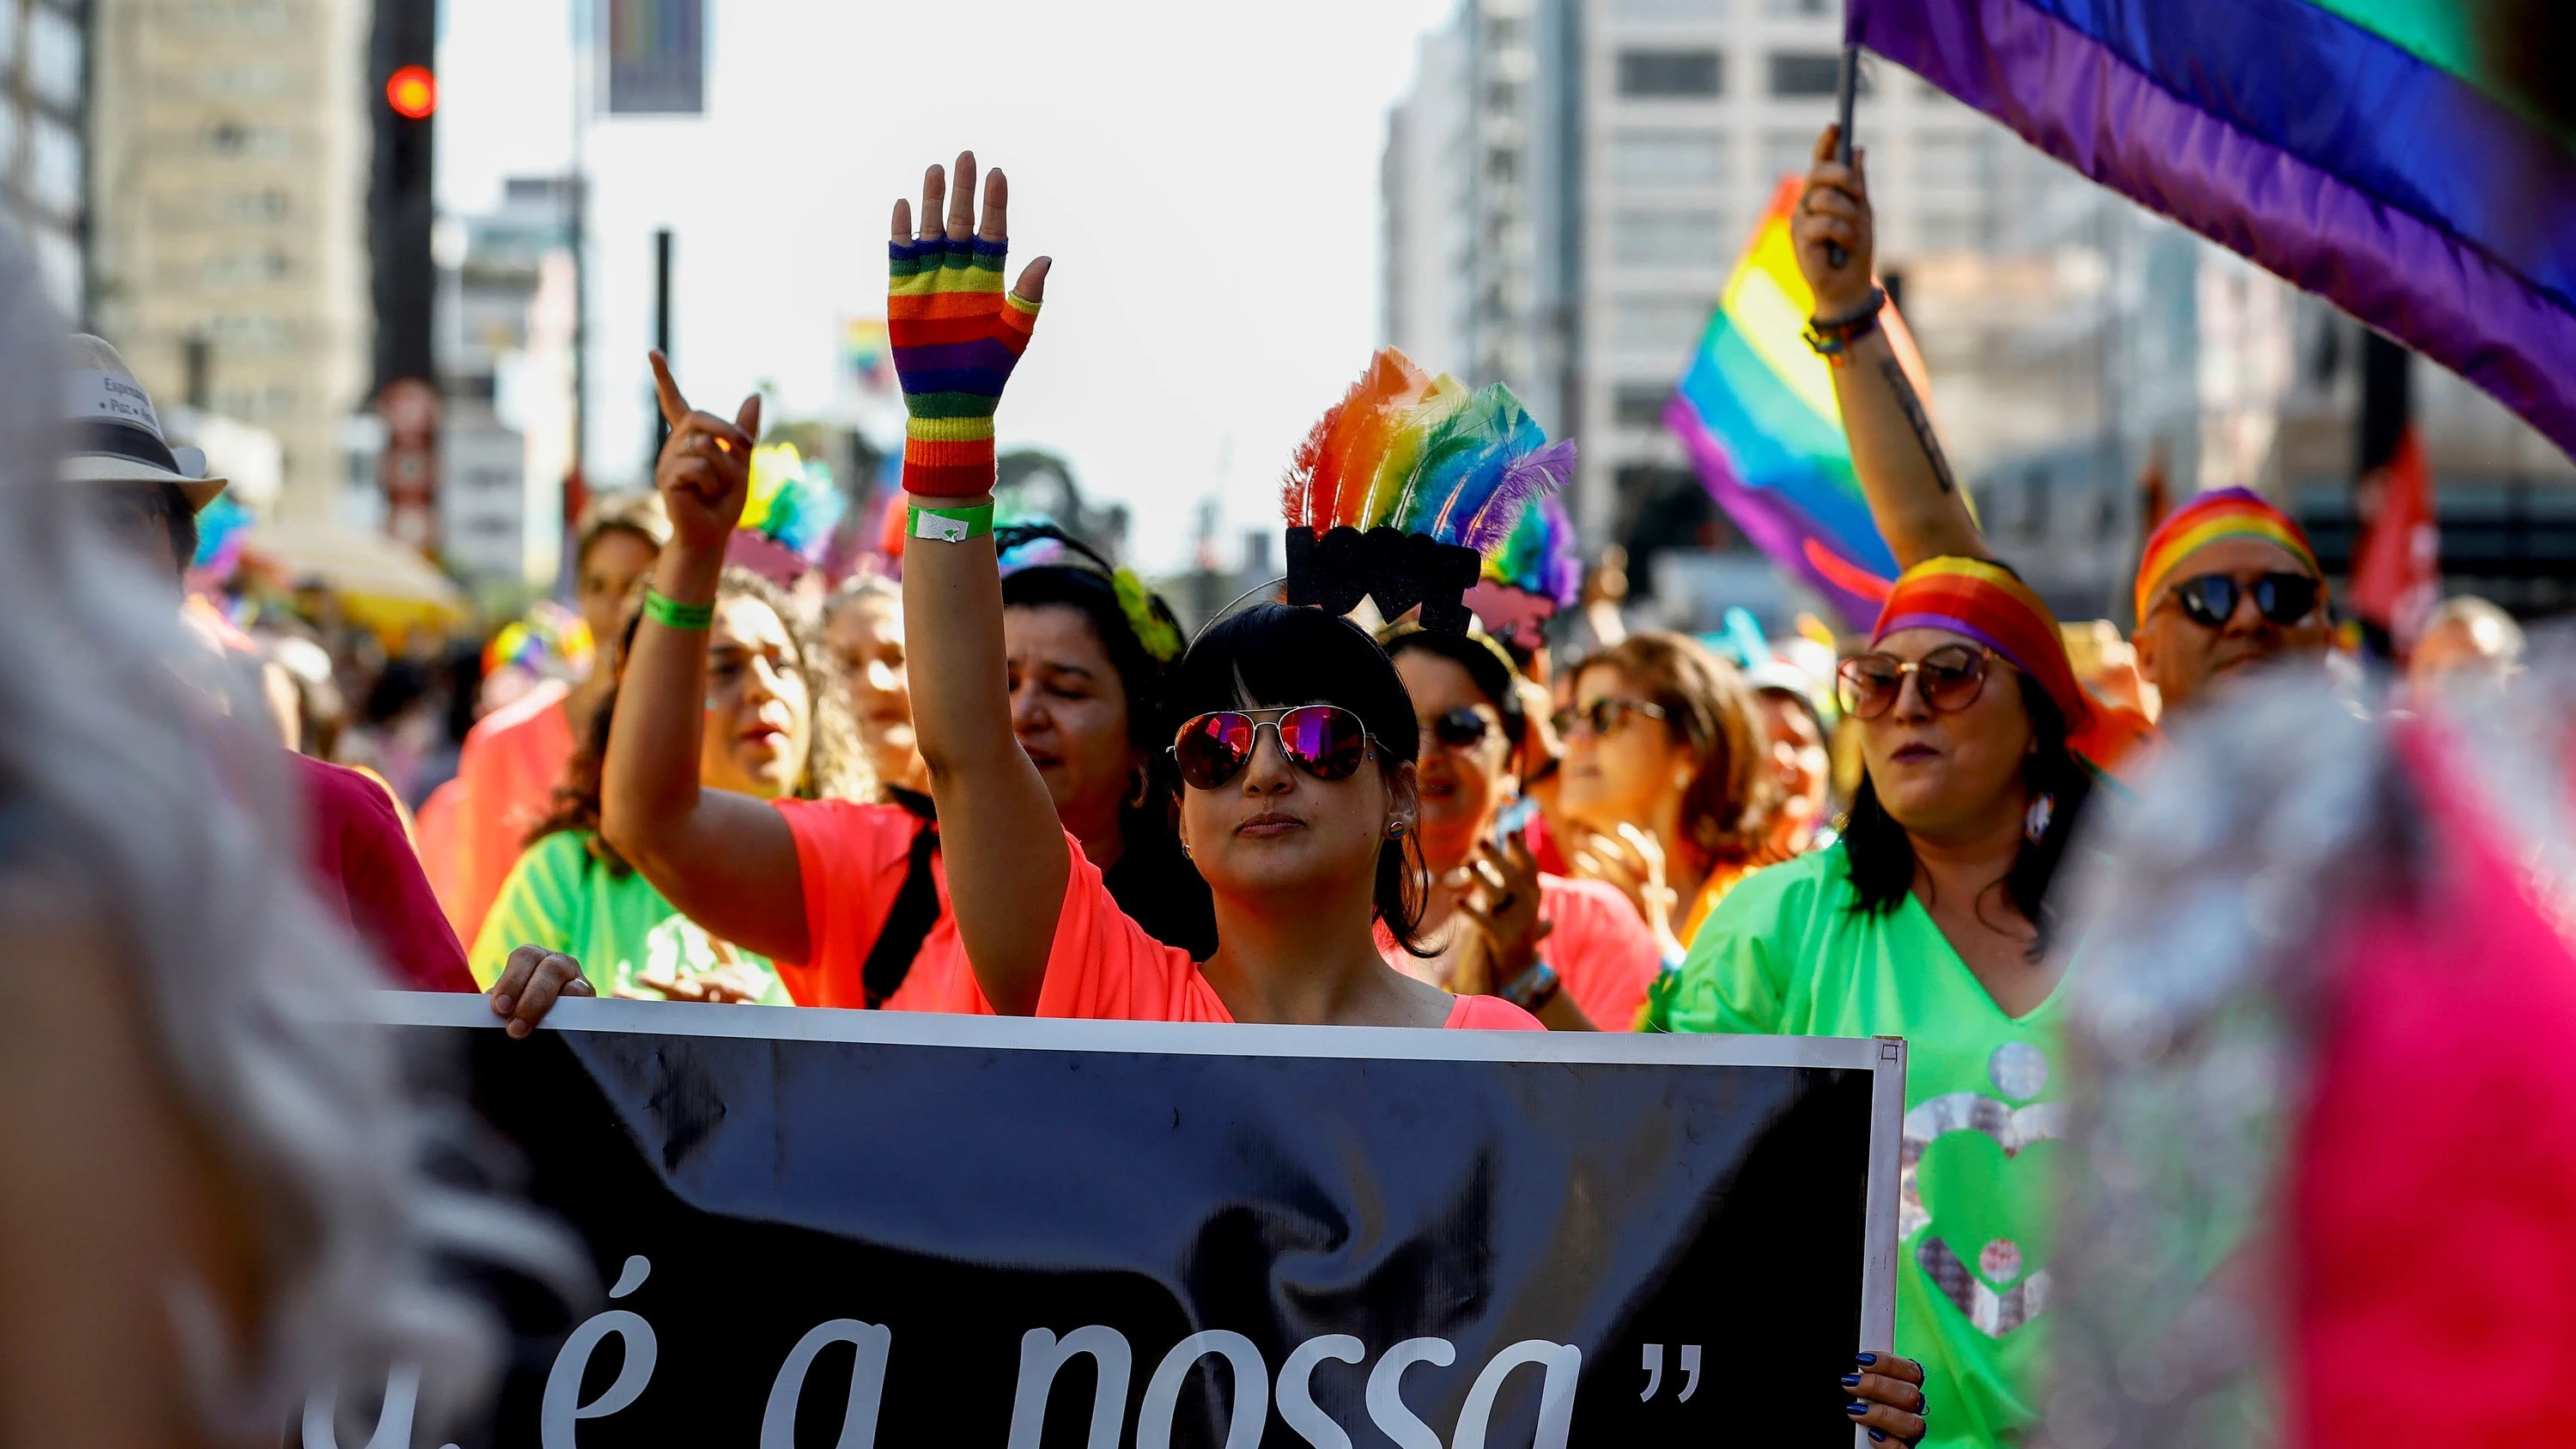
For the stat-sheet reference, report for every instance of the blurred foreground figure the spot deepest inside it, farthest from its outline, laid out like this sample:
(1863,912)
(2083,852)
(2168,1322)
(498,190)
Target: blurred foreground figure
(209,1200)
(2466,639)
(2323,1171)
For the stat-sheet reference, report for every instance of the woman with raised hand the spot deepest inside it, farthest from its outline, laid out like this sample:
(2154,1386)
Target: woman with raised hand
(855,893)
(774,727)
(1296,757)
(1668,767)
(1931,920)
(1574,952)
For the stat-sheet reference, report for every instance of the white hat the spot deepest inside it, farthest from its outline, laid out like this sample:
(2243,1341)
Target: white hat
(116,437)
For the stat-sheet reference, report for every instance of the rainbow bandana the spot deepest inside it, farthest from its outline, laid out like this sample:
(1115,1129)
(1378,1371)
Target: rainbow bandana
(1987,603)
(2219,513)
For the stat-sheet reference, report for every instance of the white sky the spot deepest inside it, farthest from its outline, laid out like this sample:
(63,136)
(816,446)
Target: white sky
(1204,172)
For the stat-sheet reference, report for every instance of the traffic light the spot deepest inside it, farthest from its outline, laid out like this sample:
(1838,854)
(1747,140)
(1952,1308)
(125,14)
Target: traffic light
(400,211)
(412,92)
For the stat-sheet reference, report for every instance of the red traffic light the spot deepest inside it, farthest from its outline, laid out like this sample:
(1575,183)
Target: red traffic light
(412,91)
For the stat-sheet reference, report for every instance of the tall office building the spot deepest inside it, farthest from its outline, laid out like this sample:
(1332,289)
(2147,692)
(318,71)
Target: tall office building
(229,248)
(44,124)
(1479,244)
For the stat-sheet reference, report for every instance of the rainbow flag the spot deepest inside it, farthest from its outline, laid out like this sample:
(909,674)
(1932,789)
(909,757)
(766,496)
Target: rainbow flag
(1756,411)
(2371,151)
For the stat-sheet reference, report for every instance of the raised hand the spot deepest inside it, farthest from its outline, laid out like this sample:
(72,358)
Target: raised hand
(704,473)
(956,337)
(1503,910)
(1835,211)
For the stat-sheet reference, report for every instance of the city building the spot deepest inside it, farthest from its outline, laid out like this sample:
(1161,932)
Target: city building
(44,139)
(504,352)
(1479,247)
(228,250)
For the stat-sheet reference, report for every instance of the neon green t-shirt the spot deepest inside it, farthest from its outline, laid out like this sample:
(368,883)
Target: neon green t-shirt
(1786,955)
(562,897)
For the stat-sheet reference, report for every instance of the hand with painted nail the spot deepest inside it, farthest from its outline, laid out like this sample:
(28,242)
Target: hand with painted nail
(530,983)
(1885,1396)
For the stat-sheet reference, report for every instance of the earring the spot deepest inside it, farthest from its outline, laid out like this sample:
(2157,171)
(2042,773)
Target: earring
(2034,824)
(1144,783)
(1184,842)
(1395,830)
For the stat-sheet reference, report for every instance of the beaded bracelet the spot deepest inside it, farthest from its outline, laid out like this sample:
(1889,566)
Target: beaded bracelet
(948,525)
(1833,339)
(672,614)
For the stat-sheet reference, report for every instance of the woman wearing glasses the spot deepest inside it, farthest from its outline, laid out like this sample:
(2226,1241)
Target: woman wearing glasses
(1665,755)
(1574,952)
(1930,920)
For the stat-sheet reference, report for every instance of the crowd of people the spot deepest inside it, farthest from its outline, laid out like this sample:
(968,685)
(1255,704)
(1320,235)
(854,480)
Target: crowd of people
(1003,778)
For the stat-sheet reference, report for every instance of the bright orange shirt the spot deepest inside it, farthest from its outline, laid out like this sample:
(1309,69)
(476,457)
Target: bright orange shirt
(505,776)
(851,859)
(1104,967)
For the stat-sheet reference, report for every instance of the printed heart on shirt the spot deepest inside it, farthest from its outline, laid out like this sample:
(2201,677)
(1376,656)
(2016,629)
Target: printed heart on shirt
(1974,1192)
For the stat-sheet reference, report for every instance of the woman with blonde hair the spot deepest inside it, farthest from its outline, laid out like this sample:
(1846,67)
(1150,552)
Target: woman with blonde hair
(1665,755)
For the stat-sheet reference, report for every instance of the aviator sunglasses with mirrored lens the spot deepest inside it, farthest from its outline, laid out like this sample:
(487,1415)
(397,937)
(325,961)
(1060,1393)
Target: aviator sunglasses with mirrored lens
(2209,600)
(1324,740)
(1950,677)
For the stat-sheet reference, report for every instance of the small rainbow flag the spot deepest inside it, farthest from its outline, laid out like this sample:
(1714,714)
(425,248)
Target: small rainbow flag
(1756,411)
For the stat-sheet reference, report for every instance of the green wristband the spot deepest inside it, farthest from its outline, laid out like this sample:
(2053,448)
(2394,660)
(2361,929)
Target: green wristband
(672,614)
(948,525)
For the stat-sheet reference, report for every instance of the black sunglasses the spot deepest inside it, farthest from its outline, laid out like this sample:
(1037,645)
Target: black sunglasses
(2209,600)
(1604,715)
(1324,740)
(1950,677)
(1459,729)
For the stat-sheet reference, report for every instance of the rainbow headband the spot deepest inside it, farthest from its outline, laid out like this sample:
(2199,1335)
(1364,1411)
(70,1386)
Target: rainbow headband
(2219,513)
(1987,603)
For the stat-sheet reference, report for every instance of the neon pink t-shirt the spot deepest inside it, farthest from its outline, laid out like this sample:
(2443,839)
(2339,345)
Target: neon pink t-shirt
(1103,967)
(851,859)
(1600,948)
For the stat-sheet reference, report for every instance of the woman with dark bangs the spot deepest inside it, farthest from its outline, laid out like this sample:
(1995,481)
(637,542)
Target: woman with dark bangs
(1297,807)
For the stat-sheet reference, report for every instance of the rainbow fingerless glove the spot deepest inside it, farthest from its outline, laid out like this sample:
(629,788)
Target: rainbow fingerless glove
(956,335)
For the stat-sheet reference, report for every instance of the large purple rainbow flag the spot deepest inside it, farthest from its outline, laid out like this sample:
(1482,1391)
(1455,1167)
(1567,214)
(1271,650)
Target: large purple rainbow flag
(2360,148)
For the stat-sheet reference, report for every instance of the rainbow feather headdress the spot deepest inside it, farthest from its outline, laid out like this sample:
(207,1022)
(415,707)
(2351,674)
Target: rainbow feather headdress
(787,520)
(1406,486)
(1532,578)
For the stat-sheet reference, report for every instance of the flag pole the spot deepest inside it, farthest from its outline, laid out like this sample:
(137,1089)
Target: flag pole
(1846,89)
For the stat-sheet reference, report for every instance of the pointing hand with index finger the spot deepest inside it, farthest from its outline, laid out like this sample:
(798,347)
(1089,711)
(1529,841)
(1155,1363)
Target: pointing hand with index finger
(704,473)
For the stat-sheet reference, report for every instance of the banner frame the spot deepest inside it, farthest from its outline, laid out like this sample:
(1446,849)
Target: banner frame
(1883,1057)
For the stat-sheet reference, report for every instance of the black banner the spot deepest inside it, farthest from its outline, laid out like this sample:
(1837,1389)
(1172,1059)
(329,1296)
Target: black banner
(851,1229)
